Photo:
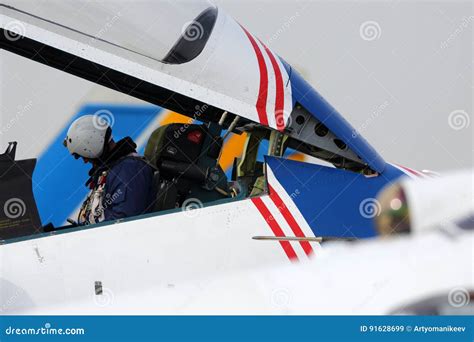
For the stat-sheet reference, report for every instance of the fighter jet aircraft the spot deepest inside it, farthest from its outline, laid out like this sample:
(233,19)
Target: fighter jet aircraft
(418,267)
(211,69)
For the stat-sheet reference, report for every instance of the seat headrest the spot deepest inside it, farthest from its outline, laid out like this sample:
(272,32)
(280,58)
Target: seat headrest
(176,142)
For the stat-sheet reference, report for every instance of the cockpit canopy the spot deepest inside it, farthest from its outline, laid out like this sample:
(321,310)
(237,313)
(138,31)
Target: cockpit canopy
(152,29)
(183,55)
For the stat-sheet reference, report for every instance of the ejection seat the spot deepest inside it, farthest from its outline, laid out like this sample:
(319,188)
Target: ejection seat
(186,157)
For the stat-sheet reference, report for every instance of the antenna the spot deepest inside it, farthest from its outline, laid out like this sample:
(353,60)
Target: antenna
(10,153)
(297,238)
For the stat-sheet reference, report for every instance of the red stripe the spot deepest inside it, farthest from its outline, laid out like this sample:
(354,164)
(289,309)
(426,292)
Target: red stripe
(290,252)
(279,97)
(261,104)
(290,219)
(414,172)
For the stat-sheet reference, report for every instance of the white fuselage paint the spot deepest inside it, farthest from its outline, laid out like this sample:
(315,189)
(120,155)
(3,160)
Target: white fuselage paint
(228,48)
(130,256)
(182,268)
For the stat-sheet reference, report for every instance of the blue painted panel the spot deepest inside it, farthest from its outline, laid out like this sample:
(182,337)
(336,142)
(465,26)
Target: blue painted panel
(330,199)
(58,180)
(310,99)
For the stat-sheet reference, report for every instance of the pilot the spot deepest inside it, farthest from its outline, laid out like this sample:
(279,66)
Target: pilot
(120,180)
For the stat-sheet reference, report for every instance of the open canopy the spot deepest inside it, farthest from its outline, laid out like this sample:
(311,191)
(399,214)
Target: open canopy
(179,55)
(148,28)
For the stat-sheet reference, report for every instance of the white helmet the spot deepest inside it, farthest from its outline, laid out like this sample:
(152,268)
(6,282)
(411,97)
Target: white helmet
(87,136)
